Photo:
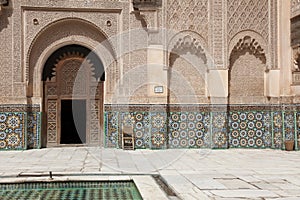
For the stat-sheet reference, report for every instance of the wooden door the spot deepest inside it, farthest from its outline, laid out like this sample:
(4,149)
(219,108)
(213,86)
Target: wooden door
(73,80)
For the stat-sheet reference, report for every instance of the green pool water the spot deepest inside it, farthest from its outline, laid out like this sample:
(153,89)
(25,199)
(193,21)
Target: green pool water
(123,190)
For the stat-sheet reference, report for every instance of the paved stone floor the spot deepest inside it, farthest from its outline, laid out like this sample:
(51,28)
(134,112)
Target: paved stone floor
(192,174)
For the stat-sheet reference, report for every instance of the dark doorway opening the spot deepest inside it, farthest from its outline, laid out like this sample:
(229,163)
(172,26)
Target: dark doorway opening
(73,122)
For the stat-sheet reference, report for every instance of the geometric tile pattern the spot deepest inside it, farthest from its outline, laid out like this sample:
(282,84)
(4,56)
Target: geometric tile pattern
(149,128)
(111,129)
(219,130)
(277,128)
(289,125)
(189,130)
(13,132)
(244,128)
(34,130)
(141,129)
(297,121)
(250,129)
(71,190)
(158,130)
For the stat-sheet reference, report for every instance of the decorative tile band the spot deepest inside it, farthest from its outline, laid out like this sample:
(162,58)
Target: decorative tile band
(20,127)
(13,131)
(207,126)
(173,126)
(34,130)
(250,129)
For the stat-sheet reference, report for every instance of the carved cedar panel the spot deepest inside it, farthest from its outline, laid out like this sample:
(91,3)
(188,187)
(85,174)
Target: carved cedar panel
(73,74)
(52,121)
(95,128)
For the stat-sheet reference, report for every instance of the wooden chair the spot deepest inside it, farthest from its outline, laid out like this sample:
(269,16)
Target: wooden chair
(127,138)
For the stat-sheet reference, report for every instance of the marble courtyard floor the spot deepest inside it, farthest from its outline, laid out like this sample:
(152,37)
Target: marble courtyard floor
(191,174)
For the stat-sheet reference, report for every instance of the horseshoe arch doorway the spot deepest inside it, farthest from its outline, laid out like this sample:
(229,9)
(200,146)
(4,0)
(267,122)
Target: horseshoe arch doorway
(73,80)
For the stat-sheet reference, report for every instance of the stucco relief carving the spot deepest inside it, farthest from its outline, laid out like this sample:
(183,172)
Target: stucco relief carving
(248,15)
(191,37)
(273,52)
(249,40)
(247,44)
(191,45)
(187,81)
(47,19)
(62,33)
(246,80)
(188,15)
(295,7)
(188,68)
(247,67)
(151,18)
(6,61)
(218,39)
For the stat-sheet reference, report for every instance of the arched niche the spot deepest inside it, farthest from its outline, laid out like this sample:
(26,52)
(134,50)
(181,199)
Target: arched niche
(247,66)
(61,33)
(187,63)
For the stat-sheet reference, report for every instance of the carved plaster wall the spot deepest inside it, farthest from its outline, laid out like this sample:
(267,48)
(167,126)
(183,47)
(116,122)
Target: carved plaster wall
(45,34)
(219,24)
(6,52)
(188,15)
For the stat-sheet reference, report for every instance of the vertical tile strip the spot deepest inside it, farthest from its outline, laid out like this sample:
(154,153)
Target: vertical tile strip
(34,130)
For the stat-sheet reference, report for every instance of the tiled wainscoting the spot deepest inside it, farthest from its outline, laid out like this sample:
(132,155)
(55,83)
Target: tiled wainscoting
(20,127)
(161,126)
(205,126)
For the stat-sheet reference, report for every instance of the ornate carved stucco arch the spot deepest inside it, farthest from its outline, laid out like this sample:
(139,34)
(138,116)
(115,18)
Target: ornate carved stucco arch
(61,33)
(247,66)
(178,36)
(187,41)
(249,39)
(188,50)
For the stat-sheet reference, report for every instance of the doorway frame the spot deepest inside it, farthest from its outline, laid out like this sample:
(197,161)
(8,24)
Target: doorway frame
(57,98)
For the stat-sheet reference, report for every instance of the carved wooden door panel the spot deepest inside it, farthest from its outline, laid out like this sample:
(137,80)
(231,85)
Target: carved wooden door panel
(73,80)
